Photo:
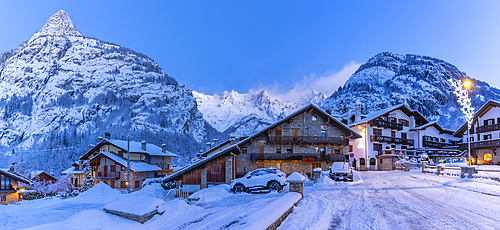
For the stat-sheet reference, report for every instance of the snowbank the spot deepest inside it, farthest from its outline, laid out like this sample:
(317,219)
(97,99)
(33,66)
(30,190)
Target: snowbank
(99,194)
(154,190)
(89,219)
(485,186)
(325,180)
(172,206)
(136,205)
(212,194)
(273,211)
(295,177)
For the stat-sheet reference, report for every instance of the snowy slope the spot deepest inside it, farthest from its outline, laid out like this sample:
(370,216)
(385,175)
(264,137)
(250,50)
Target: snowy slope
(243,114)
(61,89)
(422,82)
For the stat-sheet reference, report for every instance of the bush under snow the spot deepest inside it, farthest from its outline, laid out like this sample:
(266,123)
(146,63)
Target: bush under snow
(212,194)
(101,193)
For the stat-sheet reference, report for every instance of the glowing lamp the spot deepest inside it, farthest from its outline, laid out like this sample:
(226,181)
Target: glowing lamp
(467,84)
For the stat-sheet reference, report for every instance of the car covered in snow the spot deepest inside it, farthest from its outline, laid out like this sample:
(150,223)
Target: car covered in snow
(341,171)
(452,161)
(271,179)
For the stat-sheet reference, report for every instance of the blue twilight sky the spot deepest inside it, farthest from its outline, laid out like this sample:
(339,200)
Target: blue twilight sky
(213,46)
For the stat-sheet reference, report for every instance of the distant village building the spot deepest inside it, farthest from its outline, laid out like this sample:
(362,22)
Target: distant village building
(107,162)
(9,186)
(42,176)
(308,138)
(484,134)
(394,133)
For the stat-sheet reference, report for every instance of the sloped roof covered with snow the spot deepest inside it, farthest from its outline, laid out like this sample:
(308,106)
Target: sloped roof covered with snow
(374,115)
(135,147)
(136,166)
(71,170)
(481,111)
(436,125)
(35,174)
(15,176)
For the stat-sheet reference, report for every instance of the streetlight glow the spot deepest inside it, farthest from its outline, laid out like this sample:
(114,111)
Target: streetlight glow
(467,84)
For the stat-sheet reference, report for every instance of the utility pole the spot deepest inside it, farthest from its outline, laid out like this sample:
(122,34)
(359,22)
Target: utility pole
(128,164)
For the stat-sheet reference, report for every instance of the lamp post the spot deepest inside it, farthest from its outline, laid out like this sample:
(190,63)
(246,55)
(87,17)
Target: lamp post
(128,164)
(462,93)
(467,86)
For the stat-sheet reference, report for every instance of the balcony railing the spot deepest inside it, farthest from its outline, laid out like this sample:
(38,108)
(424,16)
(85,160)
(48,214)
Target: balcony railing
(387,124)
(434,144)
(103,175)
(480,144)
(488,128)
(393,140)
(166,172)
(309,139)
(297,156)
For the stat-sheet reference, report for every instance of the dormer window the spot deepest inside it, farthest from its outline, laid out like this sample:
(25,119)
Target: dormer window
(314,117)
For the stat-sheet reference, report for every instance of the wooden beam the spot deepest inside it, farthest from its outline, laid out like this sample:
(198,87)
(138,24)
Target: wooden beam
(310,110)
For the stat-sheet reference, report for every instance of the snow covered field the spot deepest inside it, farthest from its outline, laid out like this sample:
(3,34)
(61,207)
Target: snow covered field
(398,200)
(376,200)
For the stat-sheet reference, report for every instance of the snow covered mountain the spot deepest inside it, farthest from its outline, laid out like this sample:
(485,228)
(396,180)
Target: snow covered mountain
(62,89)
(422,82)
(243,114)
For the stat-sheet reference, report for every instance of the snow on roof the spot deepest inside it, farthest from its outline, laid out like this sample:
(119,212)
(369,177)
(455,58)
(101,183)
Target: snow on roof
(376,114)
(136,147)
(15,176)
(136,166)
(435,124)
(71,170)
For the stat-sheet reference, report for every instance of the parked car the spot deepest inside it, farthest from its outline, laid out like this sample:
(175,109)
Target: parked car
(452,161)
(271,179)
(341,171)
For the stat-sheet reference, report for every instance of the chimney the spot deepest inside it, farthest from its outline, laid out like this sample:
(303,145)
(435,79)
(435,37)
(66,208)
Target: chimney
(107,135)
(357,111)
(91,146)
(11,167)
(143,145)
(164,148)
(209,146)
(99,139)
(216,141)
(233,139)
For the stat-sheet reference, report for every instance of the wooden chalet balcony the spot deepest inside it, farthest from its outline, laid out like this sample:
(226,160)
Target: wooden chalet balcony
(309,139)
(107,175)
(434,144)
(387,124)
(393,140)
(296,156)
(166,172)
(488,128)
(480,144)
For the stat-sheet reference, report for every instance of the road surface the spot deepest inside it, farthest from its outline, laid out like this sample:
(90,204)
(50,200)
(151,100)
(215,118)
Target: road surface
(393,200)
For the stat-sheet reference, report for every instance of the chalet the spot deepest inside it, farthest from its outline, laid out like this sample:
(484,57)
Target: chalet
(42,176)
(308,138)
(107,162)
(9,186)
(484,134)
(397,132)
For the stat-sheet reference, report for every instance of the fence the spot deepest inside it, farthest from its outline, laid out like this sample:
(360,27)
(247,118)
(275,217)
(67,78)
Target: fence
(177,193)
(462,171)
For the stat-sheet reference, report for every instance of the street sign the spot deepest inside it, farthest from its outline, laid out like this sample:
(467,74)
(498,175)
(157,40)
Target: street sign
(351,155)
(401,153)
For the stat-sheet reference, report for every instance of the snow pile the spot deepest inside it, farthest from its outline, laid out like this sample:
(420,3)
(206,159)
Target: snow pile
(153,190)
(485,186)
(172,206)
(324,181)
(100,193)
(271,212)
(317,170)
(212,194)
(296,178)
(89,219)
(137,205)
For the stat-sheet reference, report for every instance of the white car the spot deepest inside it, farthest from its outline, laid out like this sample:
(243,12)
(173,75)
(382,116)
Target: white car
(265,178)
(452,161)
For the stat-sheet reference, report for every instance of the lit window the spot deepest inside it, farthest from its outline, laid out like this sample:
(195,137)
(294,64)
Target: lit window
(323,133)
(278,149)
(289,149)
(314,118)
(244,150)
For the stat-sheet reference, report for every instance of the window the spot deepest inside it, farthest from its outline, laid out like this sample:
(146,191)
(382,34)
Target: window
(289,149)
(323,133)
(393,146)
(314,117)
(322,150)
(4,198)
(381,161)
(471,139)
(342,137)
(121,153)
(392,119)
(443,140)
(123,184)
(216,169)
(498,120)
(487,137)
(377,147)
(404,147)
(489,122)
(278,149)
(404,135)
(244,150)
(316,165)
(137,184)
(377,131)
(278,132)
(362,162)
(372,161)
(337,151)
(295,132)
(404,122)
(113,168)
(5,183)
(393,133)
(105,168)
(351,148)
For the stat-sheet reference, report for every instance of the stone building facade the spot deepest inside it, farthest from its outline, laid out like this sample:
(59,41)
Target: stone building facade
(9,186)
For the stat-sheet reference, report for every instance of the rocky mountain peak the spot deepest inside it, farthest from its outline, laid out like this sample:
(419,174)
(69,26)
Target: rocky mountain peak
(58,24)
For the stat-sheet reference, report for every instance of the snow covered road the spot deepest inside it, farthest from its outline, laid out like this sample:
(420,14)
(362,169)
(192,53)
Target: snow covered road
(393,200)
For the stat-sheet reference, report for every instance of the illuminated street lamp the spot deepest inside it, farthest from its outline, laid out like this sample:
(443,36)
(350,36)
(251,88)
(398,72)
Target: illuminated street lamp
(462,93)
(467,86)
